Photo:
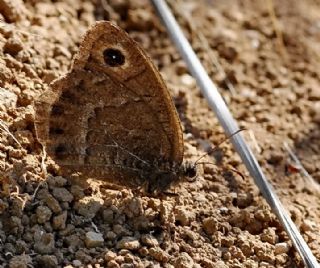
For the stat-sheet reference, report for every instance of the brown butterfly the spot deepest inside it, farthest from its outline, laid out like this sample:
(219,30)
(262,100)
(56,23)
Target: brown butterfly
(111,117)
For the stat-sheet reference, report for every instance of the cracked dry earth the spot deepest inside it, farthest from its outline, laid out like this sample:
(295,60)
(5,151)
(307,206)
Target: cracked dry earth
(270,54)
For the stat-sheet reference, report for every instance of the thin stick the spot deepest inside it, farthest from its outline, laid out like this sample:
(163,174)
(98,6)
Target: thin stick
(216,102)
(4,128)
(275,23)
(44,172)
(254,140)
(315,187)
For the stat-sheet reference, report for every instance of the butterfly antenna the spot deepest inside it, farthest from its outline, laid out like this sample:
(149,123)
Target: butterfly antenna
(217,146)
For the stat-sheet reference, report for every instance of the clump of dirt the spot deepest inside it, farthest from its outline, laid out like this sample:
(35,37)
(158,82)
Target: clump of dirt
(220,219)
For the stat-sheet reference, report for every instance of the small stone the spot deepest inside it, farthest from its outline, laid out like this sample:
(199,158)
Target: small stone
(210,225)
(107,215)
(59,222)
(73,241)
(119,259)
(43,214)
(77,192)
(263,215)
(281,248)
(88,206)
(93,239)
(76,263)
(158,254)
(308,225)
(21,261)
(314,94)
(149,240)
(184,216)
(83,256)
(111,235)
(120,230)
(275,158)
(8,98)
(130,243)
(243,200)
(183,261)
(57,181)
(13,46)
(110,255)
(48,261)
(166,209)
(236,253)
(45,245)
(188,80)
(269,235)
(218,264)
(62,194)
(113,264)
(51,202)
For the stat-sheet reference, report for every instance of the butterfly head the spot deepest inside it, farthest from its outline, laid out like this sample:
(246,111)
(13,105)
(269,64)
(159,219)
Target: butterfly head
(163,179)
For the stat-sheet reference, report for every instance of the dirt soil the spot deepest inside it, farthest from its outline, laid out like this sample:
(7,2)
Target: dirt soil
(269,54)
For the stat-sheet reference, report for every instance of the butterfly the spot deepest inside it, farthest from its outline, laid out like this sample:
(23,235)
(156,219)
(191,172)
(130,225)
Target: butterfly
(111,117)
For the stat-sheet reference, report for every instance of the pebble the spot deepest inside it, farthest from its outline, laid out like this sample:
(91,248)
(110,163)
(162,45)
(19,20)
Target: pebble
(263,215)
(183,261)
(308,225)
(8,98)
(53,203)
(13,46)
(269,235)
(158,254)
(77,263)
(113,264)
(281,248)
(93,239)
(188,80)
(184,216)
(111,235)
(43,214)
(107,215)
(73,241)
(149,240)
(210,225)
(88,206)
(110,255)
(57,181)
(314,94)
(48,261)
(218,264)
(59,222)
(62,194)
(77,192)
(130,243)
(21,261)
(46,244)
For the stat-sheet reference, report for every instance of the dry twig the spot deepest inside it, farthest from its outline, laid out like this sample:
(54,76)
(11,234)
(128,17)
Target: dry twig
(312,185)
(4,128)
(281,47)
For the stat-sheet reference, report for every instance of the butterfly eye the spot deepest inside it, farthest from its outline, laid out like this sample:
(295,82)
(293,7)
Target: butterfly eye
(113,57)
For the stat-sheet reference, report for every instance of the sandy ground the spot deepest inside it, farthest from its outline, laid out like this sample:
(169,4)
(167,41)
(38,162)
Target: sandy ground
(269,76)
